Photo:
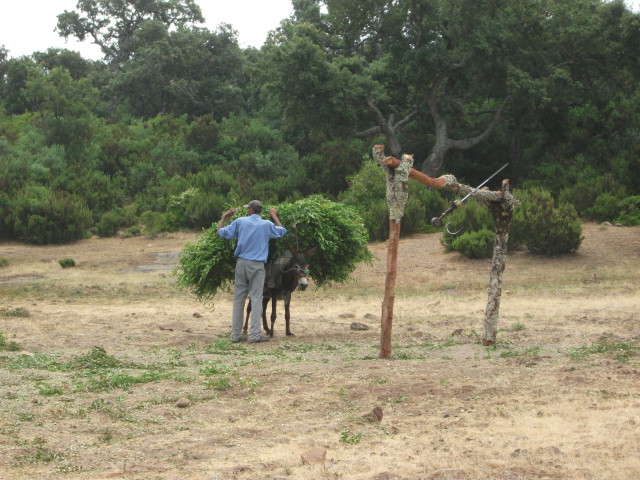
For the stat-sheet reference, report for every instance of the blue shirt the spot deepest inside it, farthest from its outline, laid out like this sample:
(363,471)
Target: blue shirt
(253,234)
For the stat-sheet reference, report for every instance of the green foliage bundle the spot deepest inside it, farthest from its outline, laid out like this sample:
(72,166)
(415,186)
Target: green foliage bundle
(208,265)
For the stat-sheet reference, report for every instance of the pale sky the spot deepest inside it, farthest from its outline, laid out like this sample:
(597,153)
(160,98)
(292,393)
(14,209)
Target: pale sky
(27,26)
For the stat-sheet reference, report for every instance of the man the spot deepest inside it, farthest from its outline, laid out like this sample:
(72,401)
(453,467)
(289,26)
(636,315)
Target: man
(253,234)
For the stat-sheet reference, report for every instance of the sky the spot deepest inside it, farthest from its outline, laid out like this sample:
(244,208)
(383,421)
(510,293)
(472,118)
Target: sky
(27,26)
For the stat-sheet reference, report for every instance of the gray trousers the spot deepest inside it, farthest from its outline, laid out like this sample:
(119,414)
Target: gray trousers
(249,280)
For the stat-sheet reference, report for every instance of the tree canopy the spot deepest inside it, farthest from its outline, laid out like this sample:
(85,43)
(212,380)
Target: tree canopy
(177,121)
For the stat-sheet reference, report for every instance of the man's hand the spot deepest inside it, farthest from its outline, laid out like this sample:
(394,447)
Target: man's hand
(225,215)
(274,216)
(228,213)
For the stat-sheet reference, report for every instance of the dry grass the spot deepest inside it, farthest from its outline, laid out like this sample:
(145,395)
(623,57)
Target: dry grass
(557,398)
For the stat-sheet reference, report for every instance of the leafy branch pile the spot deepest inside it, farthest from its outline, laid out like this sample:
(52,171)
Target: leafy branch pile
(208,265)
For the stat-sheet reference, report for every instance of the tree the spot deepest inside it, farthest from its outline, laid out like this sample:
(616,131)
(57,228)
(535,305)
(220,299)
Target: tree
(192,71)
(112,24)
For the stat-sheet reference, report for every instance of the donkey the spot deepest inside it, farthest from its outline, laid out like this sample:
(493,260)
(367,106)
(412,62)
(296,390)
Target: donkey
(283,275)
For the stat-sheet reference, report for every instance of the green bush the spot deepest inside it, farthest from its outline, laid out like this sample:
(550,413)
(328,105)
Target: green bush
(471,217)
(132,231)
(4,262)
(109,224)
(367,192)
(583,195)
(605,208)
(551,230)
(630,211)
(208,265)
(42,217)
(153,222)
(518,227)
(477,244)
(67,262)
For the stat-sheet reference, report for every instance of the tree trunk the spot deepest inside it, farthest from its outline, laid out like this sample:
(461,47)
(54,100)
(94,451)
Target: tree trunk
(502,212)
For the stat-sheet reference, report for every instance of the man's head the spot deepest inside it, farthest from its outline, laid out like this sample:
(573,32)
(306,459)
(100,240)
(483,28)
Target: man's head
(254,205)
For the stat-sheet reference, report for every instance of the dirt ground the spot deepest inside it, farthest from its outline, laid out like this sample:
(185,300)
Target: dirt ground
(557,398)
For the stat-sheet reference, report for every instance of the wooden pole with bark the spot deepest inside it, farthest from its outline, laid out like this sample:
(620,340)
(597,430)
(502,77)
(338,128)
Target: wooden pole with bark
(397,194)
(500,203)
(502,212)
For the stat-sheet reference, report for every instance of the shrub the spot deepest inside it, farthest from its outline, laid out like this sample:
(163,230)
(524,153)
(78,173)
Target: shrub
(153,222)
(518,227)
(478,244)
(109,224)
(42,216)
(132,231)
(67,262)
(606,207)
(4,262)
(471,217)
(585,192)
(551,230)
(630,211)
(367,192)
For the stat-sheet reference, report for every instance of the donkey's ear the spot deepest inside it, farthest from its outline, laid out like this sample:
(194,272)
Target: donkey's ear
(311,251)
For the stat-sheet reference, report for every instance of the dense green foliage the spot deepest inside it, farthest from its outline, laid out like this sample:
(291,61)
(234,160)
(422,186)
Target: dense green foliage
(176,122)
(537,223)
(367,191)
(335,229)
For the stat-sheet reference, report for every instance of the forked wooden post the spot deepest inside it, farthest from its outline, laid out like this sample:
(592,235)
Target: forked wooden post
(397,193)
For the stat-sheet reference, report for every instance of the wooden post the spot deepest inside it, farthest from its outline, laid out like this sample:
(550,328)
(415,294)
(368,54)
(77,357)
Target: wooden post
(397,194)
(501,204)
(502,212)
(386,322)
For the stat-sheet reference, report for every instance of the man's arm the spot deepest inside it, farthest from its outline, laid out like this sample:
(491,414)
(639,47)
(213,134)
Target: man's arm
(225,215)
(274,216)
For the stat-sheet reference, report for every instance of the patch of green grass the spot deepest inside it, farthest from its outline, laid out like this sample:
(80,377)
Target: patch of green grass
(49,390)
(621,351)
(105,381)
(4,262)
(346,436)
(518,327)
(533,351)
(8,346)
(37,453)
(15,312)
(221,383)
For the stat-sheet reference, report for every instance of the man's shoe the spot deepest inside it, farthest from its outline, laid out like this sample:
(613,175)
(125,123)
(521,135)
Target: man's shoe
(238,340)
(259,340)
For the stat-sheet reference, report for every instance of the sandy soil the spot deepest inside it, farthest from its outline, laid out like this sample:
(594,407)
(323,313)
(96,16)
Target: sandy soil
(553,400)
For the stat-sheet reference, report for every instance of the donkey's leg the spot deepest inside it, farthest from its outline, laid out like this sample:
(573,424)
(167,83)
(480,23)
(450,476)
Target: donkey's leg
(274,302)
(265,302)
(246,320)
(287,314)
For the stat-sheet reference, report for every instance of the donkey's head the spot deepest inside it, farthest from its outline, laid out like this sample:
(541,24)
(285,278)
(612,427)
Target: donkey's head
(300,266)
